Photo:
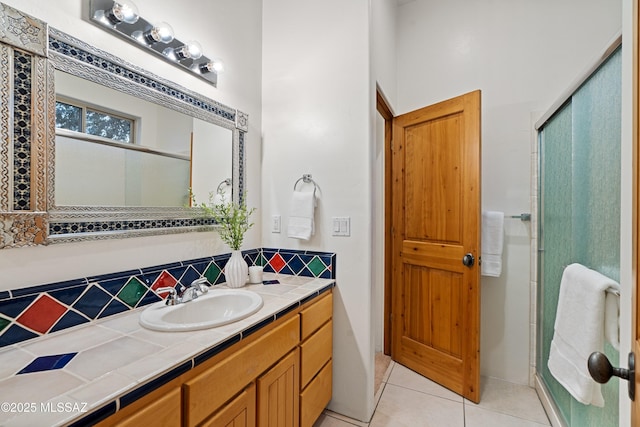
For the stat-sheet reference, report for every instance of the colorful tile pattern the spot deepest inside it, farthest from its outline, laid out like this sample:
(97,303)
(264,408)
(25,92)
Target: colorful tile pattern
(31,312)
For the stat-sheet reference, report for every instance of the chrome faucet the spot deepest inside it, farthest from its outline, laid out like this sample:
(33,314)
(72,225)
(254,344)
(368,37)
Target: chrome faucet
(185,294)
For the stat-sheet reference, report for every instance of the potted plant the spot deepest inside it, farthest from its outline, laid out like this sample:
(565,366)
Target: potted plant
(233,220)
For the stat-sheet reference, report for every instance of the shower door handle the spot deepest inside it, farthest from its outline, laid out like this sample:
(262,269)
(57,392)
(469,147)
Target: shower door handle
(601,371)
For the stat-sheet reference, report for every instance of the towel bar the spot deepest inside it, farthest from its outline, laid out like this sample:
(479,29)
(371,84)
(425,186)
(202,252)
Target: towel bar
(307,179)
(225,182)
(522,216)
(613,291)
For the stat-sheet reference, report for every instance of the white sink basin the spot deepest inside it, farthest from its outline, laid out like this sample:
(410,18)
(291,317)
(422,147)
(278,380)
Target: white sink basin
(215,308)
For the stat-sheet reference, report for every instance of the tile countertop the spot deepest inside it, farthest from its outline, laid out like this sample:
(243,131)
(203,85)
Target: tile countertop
(116,355)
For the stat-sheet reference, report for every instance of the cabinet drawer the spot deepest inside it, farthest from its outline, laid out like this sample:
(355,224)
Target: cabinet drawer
(163,412)
(205,393)
(316,396)
(315,352)
(313,317)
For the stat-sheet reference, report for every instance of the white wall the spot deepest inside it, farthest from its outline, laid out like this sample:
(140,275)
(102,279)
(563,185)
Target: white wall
(522,55)
(317,98)
(226,28)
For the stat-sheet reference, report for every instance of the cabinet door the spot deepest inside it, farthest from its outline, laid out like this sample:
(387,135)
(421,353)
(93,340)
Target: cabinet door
(240,412)
(278,393)
(163,412)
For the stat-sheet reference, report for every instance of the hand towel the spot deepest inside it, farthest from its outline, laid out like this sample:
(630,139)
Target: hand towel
(579,331)
(612,317)
(301,215)
(492,235)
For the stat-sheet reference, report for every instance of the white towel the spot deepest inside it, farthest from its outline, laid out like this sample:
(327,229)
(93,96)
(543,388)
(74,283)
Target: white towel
(301,215)
(579,331)
(612,318)
(492,242)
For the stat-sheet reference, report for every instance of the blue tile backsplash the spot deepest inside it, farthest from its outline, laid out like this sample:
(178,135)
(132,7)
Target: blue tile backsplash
(27,313)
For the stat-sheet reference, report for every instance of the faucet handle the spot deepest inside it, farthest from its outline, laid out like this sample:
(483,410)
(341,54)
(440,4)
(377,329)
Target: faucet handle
(172,297)
(201,284)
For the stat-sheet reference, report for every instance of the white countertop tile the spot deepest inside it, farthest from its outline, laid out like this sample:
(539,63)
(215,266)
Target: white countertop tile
(116,354)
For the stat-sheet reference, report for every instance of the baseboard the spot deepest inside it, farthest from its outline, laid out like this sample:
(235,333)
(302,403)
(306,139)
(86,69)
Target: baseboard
(550,407)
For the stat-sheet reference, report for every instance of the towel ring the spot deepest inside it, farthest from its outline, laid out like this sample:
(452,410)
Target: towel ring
(307,179)
(225,182)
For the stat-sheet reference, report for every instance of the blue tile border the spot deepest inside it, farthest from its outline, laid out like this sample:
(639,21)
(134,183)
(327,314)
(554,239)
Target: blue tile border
(95,297)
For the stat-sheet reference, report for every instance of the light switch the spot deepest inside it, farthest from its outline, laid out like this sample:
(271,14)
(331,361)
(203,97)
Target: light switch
(341,226)
(275,224)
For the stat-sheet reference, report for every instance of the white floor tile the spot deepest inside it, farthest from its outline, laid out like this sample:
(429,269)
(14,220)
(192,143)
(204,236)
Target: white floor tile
(404,377)
(327,420)
(511,399)
(400,407)
(476,416)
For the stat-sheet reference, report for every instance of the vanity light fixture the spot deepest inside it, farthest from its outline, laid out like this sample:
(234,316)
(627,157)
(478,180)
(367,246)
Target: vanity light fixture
(122,18)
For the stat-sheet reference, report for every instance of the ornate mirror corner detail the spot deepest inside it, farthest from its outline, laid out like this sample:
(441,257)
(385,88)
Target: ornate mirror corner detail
(23,229)
(68,223)
(22,30)
(242,121)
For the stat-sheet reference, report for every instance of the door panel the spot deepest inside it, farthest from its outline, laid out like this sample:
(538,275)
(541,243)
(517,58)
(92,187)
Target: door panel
(436,221)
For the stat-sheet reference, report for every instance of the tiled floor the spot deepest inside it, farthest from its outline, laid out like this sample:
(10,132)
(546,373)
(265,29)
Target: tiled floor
(408,399)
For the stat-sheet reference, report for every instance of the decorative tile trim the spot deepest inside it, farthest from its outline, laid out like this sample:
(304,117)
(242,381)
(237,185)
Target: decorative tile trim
(22,63)
(27,313)
(89,56)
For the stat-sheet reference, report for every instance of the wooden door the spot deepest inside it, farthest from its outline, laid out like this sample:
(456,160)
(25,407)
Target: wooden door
(436,222)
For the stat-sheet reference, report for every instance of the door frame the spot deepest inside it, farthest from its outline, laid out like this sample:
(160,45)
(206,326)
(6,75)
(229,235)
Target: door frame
(385,111)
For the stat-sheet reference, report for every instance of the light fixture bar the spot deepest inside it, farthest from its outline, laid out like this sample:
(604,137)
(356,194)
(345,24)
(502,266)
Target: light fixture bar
(155,38)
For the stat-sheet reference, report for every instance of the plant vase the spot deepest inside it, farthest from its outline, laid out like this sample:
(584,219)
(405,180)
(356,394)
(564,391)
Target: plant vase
(236,270)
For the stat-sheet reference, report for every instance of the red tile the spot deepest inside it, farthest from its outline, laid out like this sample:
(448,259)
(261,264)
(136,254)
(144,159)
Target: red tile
(277,263)
(164,280)
(42,314)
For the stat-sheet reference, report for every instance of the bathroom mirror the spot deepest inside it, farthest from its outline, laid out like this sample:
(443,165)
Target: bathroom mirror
(114,149)
(129,145)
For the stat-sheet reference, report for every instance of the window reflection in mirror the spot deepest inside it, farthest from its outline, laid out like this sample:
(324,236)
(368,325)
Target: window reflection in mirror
(113,149)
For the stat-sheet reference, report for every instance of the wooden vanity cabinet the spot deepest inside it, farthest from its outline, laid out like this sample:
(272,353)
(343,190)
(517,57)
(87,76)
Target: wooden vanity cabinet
(280,376)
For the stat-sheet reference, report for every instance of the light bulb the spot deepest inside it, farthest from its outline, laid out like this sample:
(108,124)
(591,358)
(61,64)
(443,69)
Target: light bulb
(215,65)
(123,11)
(162,33)
(191,50)
(195,49)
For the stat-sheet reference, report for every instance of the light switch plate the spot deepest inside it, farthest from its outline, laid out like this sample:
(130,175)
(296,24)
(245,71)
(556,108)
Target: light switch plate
(275,224)
(341,226)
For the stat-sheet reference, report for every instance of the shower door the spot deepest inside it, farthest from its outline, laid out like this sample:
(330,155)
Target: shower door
(579,216)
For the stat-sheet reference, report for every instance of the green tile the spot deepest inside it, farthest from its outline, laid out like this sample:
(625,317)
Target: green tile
(261,260)
(316,266)
(132,292)
(212,273)
(4,323)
